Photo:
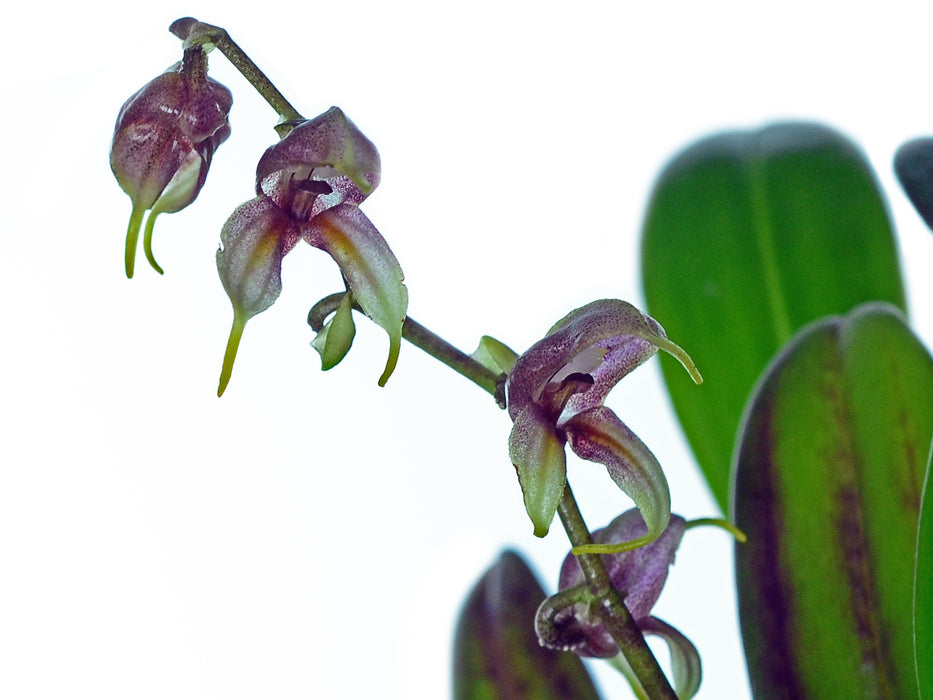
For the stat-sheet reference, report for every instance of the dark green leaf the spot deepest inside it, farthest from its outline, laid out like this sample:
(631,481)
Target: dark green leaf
(496,651)
(923,604)
(829,474)
(748,237)
(913,165)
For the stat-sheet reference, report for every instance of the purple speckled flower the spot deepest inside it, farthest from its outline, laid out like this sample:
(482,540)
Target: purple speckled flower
(555,393)
(309,186)
(638,574)
(163,142)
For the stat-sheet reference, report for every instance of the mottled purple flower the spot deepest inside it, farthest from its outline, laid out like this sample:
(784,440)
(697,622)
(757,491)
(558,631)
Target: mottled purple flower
(555,393)
(309,187)
(163,142)
(571,619)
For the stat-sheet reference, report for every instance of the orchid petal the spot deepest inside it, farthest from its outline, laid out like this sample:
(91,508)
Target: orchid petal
(685,659)
(538,456)
(369,266)
(597,435)
(253,242)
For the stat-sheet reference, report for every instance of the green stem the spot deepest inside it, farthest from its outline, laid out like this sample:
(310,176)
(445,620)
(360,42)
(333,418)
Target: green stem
(615,616)
(457,360)
(193,33)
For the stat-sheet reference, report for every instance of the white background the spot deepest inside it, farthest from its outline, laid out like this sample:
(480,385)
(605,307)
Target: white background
(310,534)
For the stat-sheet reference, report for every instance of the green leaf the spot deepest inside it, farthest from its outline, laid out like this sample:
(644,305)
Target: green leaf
(748,237)
(496,651)
(923,592)
(829,473)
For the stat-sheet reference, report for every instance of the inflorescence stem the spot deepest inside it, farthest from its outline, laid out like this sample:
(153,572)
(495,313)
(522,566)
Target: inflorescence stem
(615,616)
(430,342)
(193,32)
(456,359)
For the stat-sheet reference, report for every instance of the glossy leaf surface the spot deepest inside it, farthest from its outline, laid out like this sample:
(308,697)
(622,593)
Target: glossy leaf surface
(496,651)
(748,237)
(830,466)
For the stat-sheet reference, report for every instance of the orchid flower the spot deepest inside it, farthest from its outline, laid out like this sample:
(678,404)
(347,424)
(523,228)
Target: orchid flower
(309,187)
(555,393)
(163,142)
(570,620)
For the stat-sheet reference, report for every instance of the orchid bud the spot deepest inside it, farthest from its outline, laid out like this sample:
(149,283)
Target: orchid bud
(163,142)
